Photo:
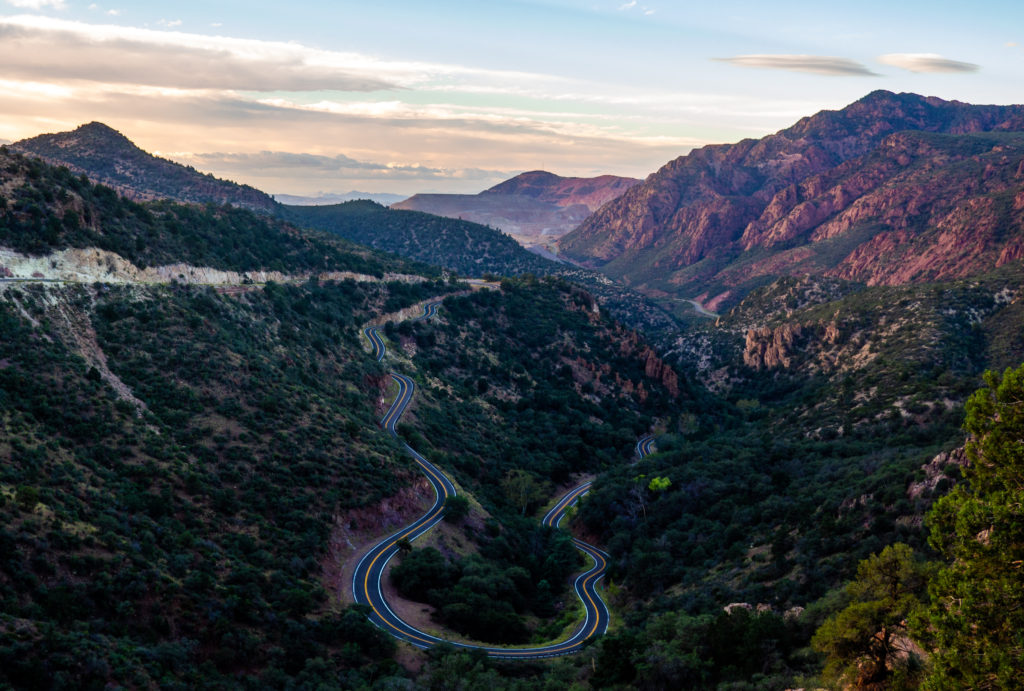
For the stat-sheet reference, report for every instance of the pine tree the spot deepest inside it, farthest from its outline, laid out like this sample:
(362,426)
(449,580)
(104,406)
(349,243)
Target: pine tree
(976,617)
(867,644)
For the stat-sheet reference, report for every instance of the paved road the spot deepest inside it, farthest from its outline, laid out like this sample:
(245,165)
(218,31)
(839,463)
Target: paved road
(429,310)
(366,585)
(644,446)
(375,341)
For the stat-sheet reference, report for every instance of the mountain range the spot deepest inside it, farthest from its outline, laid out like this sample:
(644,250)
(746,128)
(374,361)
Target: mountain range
(191,459)
(535,208)
(893,188)
(467,248)
(337,198)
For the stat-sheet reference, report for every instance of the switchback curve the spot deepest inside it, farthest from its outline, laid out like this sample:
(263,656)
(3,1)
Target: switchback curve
(366,585)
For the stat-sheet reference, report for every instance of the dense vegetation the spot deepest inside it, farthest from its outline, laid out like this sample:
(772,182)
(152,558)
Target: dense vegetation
(799,466)
(176,537)
(503,376)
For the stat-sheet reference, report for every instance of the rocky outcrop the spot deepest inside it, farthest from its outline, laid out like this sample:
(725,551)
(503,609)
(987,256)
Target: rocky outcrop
(935,471)
(768,348)
(656,369)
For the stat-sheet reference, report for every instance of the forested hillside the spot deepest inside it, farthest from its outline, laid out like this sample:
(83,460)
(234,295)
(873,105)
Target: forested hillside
(172,462)
(830,421)
(466,248)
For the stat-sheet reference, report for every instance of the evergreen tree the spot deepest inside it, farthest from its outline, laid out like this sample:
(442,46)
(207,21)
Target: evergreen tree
(867,644)
(977,608)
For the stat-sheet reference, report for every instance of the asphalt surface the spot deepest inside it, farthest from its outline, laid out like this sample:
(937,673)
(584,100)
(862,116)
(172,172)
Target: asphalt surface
(366,579)
(644,447)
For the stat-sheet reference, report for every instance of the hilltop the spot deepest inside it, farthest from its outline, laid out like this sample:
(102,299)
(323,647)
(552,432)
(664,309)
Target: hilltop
(108,157)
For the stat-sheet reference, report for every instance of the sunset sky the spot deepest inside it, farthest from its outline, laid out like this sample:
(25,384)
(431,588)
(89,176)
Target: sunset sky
(448,96)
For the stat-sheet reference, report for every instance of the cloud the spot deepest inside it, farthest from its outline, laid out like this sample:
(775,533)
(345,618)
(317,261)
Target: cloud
(170,23)
(627,5)
(926,62)
(33,45)
(813,64)
(35,48)
(38,4)
(284,164)
(282,160)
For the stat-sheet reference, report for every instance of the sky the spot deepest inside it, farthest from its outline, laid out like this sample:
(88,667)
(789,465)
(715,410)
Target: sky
(407,96)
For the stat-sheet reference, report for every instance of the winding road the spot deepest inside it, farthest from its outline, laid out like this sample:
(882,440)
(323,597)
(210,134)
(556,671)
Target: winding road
(366,578)
(643,446)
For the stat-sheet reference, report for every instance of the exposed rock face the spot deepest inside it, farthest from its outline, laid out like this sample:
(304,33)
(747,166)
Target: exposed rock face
(656,369)
(893,188)
(607,380)
(768,348)
(107,156)
(935,471)
(535,207)
(87,265)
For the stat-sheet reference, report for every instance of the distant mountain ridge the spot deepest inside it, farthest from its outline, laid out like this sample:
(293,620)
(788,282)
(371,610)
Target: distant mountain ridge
(535,207)
(384,198)
(108,157)
(564,191)
(854,192)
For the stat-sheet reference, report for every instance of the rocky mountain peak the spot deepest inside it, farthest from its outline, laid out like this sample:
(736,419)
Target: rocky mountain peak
(863,192)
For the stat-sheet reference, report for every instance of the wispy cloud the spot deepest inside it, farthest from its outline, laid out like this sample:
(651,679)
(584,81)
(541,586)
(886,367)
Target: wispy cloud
(814,64)
(632,4)
(926,62)
(38,4)
(37,47)
(113,53)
